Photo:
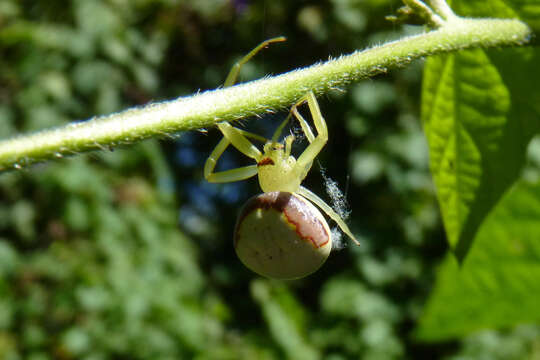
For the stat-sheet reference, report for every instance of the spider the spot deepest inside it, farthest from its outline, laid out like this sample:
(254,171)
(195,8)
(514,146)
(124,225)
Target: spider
(279,233)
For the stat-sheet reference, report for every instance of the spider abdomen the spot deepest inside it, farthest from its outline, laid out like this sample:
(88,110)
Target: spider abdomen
(282,235)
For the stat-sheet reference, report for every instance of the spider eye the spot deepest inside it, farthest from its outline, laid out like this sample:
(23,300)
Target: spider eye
(281,235)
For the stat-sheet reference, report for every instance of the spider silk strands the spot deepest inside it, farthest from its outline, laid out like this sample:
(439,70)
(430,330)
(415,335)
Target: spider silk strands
(268,94)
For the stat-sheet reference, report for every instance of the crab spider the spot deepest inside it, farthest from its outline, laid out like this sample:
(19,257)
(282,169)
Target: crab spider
(279,233)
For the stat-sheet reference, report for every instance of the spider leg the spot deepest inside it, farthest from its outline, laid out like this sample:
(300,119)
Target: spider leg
(238,138)
(303,123)
(252,135)
(317,143)
(233,74)
(328,210)
(280,128)
(228,175)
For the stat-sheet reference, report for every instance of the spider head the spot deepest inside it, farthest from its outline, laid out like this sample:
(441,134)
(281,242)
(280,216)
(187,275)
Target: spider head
(274,150)
(277,171)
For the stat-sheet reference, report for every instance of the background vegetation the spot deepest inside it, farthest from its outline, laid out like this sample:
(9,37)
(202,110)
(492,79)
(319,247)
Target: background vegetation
(128,253)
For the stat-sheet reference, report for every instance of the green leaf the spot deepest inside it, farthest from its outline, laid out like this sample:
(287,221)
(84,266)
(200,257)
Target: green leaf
(480,109)
(498,284)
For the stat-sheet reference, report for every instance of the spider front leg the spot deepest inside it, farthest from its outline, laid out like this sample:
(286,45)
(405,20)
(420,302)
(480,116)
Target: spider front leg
(305,159)
(239,139)
(233,74)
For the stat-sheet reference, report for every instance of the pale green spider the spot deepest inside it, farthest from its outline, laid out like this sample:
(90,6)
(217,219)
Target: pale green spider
(278,171)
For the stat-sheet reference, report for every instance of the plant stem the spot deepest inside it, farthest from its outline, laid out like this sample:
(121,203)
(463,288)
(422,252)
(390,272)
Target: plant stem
(425,12)
(257,97)
(441,7)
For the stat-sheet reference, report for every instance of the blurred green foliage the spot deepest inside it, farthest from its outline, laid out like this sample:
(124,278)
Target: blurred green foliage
(128,254)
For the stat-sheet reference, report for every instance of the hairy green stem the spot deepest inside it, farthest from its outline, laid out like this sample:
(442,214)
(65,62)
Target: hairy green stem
(425,12)
(443,10)
(257,97)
